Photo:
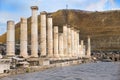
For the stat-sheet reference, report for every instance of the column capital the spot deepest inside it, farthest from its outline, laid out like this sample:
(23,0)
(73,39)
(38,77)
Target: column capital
(23,20)
(49,16)
(34,7)
(10,22)
(43,12)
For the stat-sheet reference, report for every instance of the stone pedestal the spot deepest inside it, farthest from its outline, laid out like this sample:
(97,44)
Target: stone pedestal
(23,37)
(50,36)
(61,53)
(43,34)
(56,55)
(65,40)
(34,32)
(10,38)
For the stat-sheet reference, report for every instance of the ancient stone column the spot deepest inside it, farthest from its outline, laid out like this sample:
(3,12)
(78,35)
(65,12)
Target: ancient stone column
(50,36)
(43,34)
(81,49)
(72,41)
(34,32)
(10,38)
(65,40)
(61,53)
(89,48)
(75,43)
(56,42)
(78,52)
(69,41)
(23,37)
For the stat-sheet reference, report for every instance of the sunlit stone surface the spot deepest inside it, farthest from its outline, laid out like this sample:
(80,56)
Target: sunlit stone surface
(89,71)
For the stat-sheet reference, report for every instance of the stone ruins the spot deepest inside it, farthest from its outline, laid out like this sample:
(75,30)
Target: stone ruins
(52,43)
(54,46)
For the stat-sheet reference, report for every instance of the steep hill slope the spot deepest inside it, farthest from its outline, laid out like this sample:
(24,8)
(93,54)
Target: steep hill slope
(103,27)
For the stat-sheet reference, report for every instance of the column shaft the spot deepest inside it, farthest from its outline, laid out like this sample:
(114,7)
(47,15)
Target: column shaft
(56,41)
(10,38)
(43,34)
(72,41)
(23,37)
(34,32)
(50,36)
(89,48)
(65,40)
(61,45)
(69,41)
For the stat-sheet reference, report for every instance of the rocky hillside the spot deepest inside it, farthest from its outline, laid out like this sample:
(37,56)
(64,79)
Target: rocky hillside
(103,27)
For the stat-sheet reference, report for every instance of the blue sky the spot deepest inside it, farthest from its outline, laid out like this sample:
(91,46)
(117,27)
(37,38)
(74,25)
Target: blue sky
(14,9)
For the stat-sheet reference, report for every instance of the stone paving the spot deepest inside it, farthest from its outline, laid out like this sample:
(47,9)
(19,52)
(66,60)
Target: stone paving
(89,71)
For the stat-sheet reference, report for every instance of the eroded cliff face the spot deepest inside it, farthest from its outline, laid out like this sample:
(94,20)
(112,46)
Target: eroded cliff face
(103,27)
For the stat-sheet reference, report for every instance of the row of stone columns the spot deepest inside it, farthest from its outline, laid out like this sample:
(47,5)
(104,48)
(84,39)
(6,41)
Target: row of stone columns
(52,43)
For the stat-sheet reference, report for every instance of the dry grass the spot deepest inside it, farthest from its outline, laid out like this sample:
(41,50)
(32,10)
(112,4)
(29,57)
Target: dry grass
(103,27)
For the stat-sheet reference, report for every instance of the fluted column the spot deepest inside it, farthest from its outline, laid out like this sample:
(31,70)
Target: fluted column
(56,41)
(10,38)
(61,45)
(65,40)
(50,36)
(43,34)
(23,37)
(69,41)
(34,32)
(89,48)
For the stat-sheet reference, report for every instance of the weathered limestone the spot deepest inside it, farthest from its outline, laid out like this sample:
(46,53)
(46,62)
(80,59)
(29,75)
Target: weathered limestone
(23,37)
(72,42)
(61,53)
(65,40)
(34,32)
(43,34)
(69,41)
(56,55)
(10,38)
(50,36)
(89,48)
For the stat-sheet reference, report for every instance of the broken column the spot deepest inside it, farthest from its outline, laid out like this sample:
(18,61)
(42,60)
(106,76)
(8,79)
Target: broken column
(50,36)
(34,32)
(89,48)
(56,55)
(61,54)
(65,40)
(69,41)
(43,34)
(23,37)
(10,38)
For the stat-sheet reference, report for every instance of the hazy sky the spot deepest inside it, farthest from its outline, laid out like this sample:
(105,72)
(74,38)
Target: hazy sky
(14,9)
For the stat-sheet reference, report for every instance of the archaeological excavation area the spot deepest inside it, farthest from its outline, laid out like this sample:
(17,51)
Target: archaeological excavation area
(49,48)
